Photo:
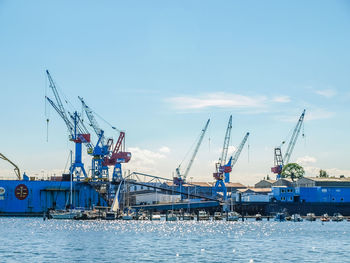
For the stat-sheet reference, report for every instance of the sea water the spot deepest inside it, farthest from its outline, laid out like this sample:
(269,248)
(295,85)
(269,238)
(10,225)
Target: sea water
(36,240)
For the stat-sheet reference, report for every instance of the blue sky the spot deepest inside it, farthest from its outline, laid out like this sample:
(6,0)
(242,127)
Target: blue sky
(160,69)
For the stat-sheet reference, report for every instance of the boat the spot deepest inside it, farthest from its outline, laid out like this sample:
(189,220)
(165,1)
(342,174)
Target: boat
(155,216)
(337,217)
(65,214)
(280,217)
(111,215)
(310,217)
(188,216)
(296,218)
(217,216)
(325,218)
(258,217)
(143,216)
(172,216)
(233,216)
(202,215)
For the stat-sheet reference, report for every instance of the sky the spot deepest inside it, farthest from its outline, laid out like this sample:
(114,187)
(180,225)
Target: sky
(159,69)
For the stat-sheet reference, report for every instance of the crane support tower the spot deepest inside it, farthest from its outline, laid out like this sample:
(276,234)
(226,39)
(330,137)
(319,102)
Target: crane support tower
(16,169)
(279,160)
(179,179)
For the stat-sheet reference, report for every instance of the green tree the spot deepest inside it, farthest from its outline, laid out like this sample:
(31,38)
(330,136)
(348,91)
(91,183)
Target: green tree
(323,174)
(293,171)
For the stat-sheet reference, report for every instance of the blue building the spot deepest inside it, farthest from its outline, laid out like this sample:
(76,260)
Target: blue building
(314,190)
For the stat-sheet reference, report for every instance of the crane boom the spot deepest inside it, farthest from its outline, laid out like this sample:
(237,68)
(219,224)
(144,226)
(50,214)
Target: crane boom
(294,138)
(196,150)
(59,107)
(94,123)
(239,150)
(17,171)
(226,142)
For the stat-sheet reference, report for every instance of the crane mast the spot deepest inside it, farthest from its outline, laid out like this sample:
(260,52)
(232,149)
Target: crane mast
(226,142)
(94,124)
(279,160)
(179,179)
(234,158)
(59,107)
(220,165)
(294,138)
(196,150)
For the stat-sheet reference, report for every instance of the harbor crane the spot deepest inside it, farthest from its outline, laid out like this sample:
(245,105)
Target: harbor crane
(103,154)
(179,179)
(219,174)
(77,130)
(279,160)
(16,169)
(222,174)
(98,167)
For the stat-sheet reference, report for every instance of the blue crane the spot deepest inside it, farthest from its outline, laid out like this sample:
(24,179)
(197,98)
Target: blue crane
(179,179)
(279,160)
(222,173)
(219,173)
(233,159)
(98,167)
(78,132)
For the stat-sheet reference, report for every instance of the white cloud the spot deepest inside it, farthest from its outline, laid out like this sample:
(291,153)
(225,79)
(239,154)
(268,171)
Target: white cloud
(281,99)
(218,100)
(144,160)
(328,93)
(164,149)
(306,160)
(318,114)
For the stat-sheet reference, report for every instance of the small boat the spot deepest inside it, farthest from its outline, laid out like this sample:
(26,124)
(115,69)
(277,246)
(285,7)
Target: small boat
(337,217)
(310,217)
(280,217)
(325,218)
(172,216)
(217,216)
(143,216)
(65,214)
(155,216)
(202,215)
(296,218)
(258,217)
(188,216)
(233,216)
(128,215)
(111,215)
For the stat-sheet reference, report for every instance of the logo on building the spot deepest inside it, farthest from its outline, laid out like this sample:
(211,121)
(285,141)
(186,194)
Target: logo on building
(2,190)
(21,191)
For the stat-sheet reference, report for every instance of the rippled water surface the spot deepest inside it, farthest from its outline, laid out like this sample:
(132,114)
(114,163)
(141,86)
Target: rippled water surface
(35,240)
